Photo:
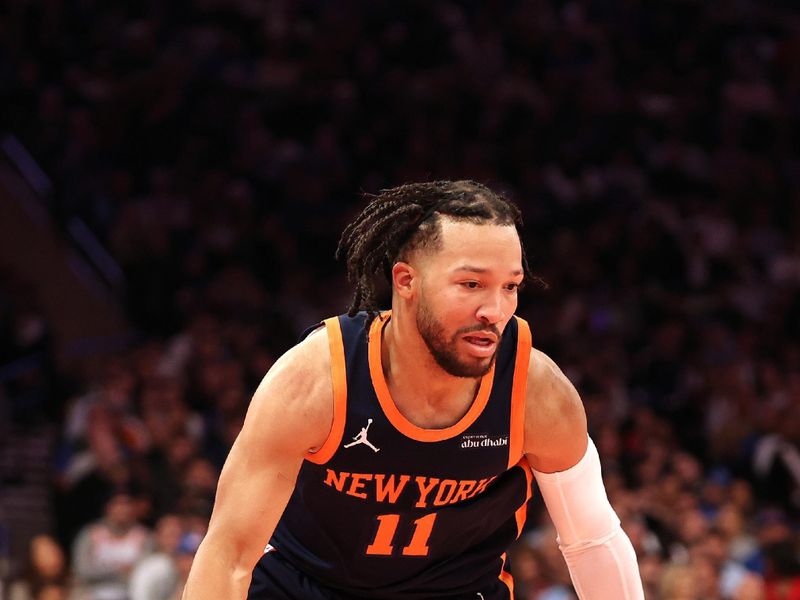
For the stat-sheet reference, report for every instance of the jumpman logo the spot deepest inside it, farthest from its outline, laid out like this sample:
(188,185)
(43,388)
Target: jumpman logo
(361,438)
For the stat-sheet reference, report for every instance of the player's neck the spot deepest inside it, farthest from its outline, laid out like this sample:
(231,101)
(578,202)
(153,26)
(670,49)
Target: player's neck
(415,380)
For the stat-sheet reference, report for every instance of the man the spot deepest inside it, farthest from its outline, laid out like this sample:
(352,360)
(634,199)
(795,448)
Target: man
(155,577)
(391,455)
(106,551)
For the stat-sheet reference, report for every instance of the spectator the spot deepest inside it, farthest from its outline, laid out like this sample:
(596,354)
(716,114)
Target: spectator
(677,583)
(183,560)
(782,571)
(156,576)
(751,588)
(45,572)
(106,551)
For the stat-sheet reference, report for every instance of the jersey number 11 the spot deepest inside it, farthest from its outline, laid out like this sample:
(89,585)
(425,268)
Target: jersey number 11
(387,527)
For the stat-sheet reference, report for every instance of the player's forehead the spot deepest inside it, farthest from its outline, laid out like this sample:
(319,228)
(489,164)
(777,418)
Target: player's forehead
(478,246)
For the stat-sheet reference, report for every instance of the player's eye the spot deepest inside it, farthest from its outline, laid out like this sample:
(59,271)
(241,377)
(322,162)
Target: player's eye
(470,284)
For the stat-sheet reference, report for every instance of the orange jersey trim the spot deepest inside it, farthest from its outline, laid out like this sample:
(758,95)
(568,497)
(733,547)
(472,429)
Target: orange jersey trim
(339,378)
(395,417)
(522,512)
(518,389)
(506,577)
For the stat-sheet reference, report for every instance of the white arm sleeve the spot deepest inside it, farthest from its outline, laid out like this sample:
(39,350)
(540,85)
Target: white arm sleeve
(600,557)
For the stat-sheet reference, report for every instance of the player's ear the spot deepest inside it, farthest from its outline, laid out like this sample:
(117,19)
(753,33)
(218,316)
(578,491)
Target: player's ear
(403,276)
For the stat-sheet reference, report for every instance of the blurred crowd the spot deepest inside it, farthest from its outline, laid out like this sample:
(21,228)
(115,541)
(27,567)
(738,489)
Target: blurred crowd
(218,147)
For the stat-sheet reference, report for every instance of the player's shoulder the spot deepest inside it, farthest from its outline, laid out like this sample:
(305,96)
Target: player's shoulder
(552,404)
(298,388)
(545,377)
(310,357)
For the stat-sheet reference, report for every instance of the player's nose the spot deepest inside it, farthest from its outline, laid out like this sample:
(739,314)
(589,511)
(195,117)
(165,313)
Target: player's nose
(491,309)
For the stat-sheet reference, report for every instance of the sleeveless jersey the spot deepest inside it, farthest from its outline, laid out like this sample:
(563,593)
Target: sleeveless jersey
(386,509)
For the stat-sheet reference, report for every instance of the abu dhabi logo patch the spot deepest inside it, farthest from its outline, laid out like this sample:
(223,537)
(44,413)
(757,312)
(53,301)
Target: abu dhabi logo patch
(483,440)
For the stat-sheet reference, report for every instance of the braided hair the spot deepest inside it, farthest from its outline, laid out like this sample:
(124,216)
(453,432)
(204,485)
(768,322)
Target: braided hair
(405,218)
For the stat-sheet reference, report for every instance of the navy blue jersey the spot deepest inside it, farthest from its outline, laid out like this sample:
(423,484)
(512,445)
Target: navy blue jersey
(386,509)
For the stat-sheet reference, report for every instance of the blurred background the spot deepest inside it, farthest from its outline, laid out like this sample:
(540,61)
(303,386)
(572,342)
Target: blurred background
(174,177)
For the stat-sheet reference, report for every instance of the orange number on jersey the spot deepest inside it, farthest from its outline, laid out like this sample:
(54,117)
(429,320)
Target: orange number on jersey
(422,532)
(387,527)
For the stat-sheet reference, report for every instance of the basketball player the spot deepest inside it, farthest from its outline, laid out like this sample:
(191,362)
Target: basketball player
(391,454)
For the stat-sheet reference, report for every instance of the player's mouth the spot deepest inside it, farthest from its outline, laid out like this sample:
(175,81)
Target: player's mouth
(481,344)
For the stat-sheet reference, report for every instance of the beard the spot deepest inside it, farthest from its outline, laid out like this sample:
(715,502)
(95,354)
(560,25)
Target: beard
(445,351)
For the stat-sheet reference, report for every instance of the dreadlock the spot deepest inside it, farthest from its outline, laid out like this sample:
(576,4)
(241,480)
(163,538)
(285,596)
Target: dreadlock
(404,218)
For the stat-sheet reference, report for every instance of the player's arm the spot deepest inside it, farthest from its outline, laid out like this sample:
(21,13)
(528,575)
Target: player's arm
(600,557)
(290,414)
